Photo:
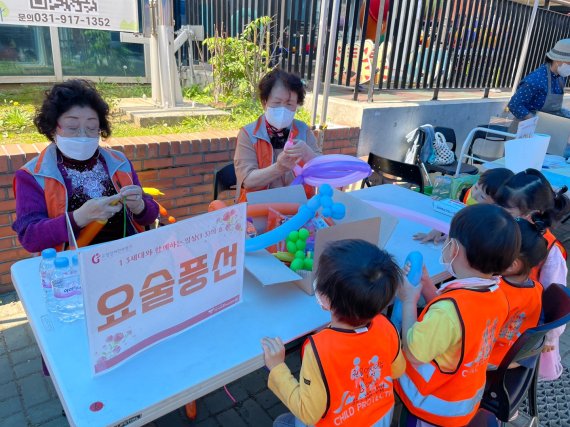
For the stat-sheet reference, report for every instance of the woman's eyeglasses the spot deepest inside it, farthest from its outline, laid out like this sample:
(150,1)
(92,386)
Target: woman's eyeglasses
(71,132)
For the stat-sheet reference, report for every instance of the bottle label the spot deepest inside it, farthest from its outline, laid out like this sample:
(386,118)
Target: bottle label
(66,290)
(46,284)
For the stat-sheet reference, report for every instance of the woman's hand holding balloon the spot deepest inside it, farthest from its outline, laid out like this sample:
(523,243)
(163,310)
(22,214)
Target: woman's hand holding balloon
(99,209)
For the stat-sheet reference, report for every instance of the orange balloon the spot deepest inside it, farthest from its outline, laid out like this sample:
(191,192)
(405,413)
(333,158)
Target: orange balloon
(216,205)
(262,209)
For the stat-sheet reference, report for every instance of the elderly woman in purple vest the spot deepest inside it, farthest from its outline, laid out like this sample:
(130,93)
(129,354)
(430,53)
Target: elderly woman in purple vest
(261,160)
(75,175)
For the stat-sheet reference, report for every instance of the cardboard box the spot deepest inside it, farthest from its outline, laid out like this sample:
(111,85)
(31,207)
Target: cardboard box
(361,221)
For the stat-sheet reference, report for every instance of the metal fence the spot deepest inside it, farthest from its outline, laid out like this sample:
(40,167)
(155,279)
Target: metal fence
(454,44)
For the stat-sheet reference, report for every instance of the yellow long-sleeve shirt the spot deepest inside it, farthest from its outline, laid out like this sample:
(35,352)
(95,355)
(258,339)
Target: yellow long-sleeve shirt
(437,337)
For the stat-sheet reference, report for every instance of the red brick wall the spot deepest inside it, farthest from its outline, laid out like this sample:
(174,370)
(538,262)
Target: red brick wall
(181,166)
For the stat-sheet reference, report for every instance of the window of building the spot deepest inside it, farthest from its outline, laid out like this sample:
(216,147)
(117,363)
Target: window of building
(25,51)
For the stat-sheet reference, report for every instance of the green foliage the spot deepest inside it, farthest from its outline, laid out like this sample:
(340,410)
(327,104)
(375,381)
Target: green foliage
(238,63)
(101,55)
(15,117)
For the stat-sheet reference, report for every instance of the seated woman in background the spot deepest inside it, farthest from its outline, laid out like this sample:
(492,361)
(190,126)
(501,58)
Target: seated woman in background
(75,175)
(260,160)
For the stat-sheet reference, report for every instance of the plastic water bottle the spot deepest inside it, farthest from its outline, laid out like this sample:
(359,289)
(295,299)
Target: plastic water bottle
(47,268)
(64,291)
(77,284)
(442,187)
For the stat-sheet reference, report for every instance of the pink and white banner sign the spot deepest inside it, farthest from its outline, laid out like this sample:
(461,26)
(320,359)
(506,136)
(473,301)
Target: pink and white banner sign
(145,288)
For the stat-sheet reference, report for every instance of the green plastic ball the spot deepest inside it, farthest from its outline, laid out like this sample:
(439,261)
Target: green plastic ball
(297,264)
(301,245)
(300,254)
(291,247)
(303,234)
(293,236)
(308,264)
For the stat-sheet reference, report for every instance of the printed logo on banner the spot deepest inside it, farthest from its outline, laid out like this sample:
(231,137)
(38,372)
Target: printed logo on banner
(145,288)
(90,14)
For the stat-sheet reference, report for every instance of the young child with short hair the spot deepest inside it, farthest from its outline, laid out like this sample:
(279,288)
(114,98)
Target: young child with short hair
(348,368)
(529,195)
(447,347)
(484,191)
(486,188)
(523,294)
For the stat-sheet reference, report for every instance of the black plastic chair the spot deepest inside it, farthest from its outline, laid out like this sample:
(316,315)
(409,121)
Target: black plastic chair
(451,139)
(482,135)
(506,388)
(224,179)
(390,171)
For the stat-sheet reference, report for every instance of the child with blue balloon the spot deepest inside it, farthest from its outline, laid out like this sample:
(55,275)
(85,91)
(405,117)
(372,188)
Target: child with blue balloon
(348,368)
(447,347)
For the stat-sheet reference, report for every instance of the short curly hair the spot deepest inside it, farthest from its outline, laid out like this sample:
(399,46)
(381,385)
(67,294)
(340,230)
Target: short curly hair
(63,96)
(290,81)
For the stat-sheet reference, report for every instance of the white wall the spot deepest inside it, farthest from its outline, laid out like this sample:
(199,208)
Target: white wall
(383,130)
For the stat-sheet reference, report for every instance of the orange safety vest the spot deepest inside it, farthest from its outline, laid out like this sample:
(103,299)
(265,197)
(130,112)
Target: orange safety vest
(356,368)
(525,305)
(258,136)
(44,169)
(466,196)
(552,240)
(452,398)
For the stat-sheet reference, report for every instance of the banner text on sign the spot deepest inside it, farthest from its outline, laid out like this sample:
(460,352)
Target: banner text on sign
(148,287)
(89,14)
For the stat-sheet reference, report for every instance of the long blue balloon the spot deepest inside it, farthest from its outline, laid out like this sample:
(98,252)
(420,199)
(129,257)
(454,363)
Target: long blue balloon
(280,233)
(416,261)
(304,214)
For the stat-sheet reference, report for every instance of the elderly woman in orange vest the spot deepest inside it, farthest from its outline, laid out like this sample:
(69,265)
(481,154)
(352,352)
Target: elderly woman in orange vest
(75,175)
(261,159)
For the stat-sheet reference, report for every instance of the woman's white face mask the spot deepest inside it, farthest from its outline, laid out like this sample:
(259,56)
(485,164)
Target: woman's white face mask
(78,147)
(279,117)
(564,69)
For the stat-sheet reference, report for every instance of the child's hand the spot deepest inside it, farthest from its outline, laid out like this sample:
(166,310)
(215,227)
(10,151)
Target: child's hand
(273,351)
(408,292)
(433,235)
(426,279)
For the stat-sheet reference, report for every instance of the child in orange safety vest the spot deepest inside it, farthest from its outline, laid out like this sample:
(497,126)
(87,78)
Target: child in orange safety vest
(529,195)
(486,187)
(447,346)
(485,190)
(524,294)
(348,368)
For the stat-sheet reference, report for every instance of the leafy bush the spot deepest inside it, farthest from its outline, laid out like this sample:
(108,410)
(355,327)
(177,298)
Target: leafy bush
(239,62)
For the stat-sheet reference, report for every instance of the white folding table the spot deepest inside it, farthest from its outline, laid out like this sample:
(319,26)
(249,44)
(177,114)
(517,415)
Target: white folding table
(199,360)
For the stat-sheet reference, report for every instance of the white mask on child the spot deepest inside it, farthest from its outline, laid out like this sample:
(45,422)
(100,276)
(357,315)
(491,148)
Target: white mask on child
(448,265)
(317,295)
(279,117)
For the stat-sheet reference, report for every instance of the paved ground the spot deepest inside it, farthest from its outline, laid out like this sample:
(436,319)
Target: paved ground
(28,398)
